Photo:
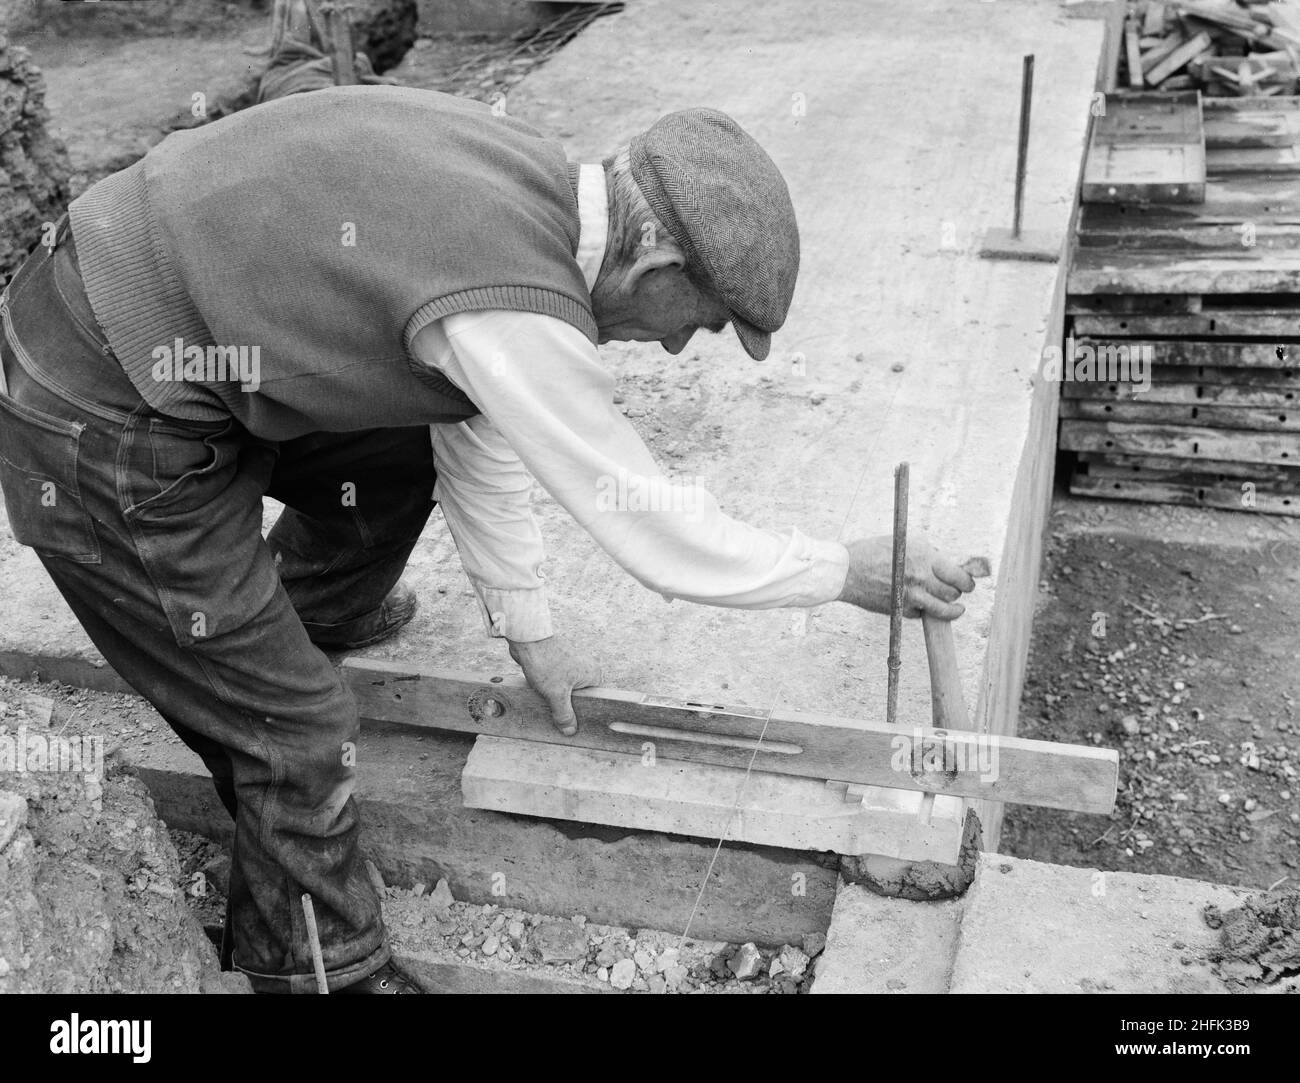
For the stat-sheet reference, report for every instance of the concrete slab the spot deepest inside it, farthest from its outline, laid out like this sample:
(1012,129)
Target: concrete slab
(902,344)
(707,802)
(1035,928)
(893,191)
(880,945)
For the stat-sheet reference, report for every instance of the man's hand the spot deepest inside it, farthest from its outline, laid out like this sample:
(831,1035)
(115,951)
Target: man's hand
(931,583)
(554,670)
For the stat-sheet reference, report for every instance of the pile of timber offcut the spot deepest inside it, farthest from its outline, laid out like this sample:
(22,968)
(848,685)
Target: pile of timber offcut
(1204,298)
(1222,47)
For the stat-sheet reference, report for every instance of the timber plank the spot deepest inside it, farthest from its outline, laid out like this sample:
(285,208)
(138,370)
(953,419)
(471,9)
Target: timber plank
(1180,442)
(1132,53)
(1267,160)
(1227,498)
(1242,379)
(1208,236)
(1282,103)
(703,801)
(1128,304)
(780,740)
(1281,478)
(1280,324)
(1233,200)
(1179,58)
(1270,479)
(1172,392)
(1180,352)
(1262,128)
(1252,419)
(1251,270)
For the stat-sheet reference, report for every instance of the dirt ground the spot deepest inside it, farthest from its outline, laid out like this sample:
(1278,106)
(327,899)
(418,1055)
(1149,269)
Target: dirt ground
(1173,635)
(212,51)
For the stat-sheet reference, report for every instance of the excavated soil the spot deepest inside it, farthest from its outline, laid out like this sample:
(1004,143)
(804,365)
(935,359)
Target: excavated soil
(91,892)
(1259,942)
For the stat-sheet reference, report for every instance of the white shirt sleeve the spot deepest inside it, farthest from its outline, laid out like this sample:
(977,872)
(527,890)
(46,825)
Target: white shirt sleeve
(483,490)
(539,382)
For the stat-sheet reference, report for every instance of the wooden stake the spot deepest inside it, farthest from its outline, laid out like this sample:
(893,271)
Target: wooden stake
(313,939)
(338,27)
(897,575)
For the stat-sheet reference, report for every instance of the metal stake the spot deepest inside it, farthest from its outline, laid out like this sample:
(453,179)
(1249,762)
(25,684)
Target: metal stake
(1022,151)
(897,574)
(313,940)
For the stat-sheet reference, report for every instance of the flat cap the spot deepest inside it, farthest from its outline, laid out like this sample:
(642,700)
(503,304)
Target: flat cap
(724,201)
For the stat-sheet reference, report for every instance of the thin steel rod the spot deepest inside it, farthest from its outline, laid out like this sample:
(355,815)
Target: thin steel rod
(897,570)
(1022,149)
(313,939)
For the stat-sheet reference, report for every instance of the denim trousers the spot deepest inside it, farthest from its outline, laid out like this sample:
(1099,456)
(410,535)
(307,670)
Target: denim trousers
(150,528)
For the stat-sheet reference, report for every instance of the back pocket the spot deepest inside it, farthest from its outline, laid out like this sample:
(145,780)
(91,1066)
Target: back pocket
(38,471)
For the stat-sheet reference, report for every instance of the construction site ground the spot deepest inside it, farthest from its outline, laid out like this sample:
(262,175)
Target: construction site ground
(1171,819)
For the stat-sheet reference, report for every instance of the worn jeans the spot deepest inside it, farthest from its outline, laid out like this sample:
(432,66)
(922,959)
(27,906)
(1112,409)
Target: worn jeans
(150,528)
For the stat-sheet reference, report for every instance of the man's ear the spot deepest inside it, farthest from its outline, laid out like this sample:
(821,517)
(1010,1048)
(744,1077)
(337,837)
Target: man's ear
(654,257)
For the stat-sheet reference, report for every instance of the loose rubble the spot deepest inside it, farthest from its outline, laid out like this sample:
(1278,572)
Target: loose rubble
(628,960)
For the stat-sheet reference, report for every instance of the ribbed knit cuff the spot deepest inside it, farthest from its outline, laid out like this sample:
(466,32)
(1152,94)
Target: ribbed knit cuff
(544,302)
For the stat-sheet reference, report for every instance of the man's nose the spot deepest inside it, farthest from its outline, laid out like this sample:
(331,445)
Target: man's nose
(675,344)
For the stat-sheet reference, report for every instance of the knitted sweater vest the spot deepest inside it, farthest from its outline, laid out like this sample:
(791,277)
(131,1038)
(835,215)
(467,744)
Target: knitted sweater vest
(276,264)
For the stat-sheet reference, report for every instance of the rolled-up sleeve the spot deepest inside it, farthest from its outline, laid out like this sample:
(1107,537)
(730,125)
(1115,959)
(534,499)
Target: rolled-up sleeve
(540,384)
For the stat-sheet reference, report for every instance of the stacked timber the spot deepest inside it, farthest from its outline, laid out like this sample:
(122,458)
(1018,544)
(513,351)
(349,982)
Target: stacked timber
(1221,47)
(1182,362)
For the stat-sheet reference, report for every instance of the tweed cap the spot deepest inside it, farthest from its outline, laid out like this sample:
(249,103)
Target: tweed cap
(724,201)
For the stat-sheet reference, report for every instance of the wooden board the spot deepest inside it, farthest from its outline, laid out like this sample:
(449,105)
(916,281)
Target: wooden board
(1280,324)
(1251,270)
(1147,147)
(1229,236)
(1139,411)
(792,742)
(703,801)
(1127,304)
(1245,107)
(1112,45)
(1240,212)
(1158,52)
(1267,160)
(1132,54)
(1227,199)
(1280,478)
(1164,389)
(1182,472)
(1157,491)
(1189,352)
(1244,126)
(1181,442)
(1179,58)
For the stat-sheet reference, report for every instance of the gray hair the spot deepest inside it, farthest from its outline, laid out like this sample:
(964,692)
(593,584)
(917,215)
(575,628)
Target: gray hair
(633,225)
